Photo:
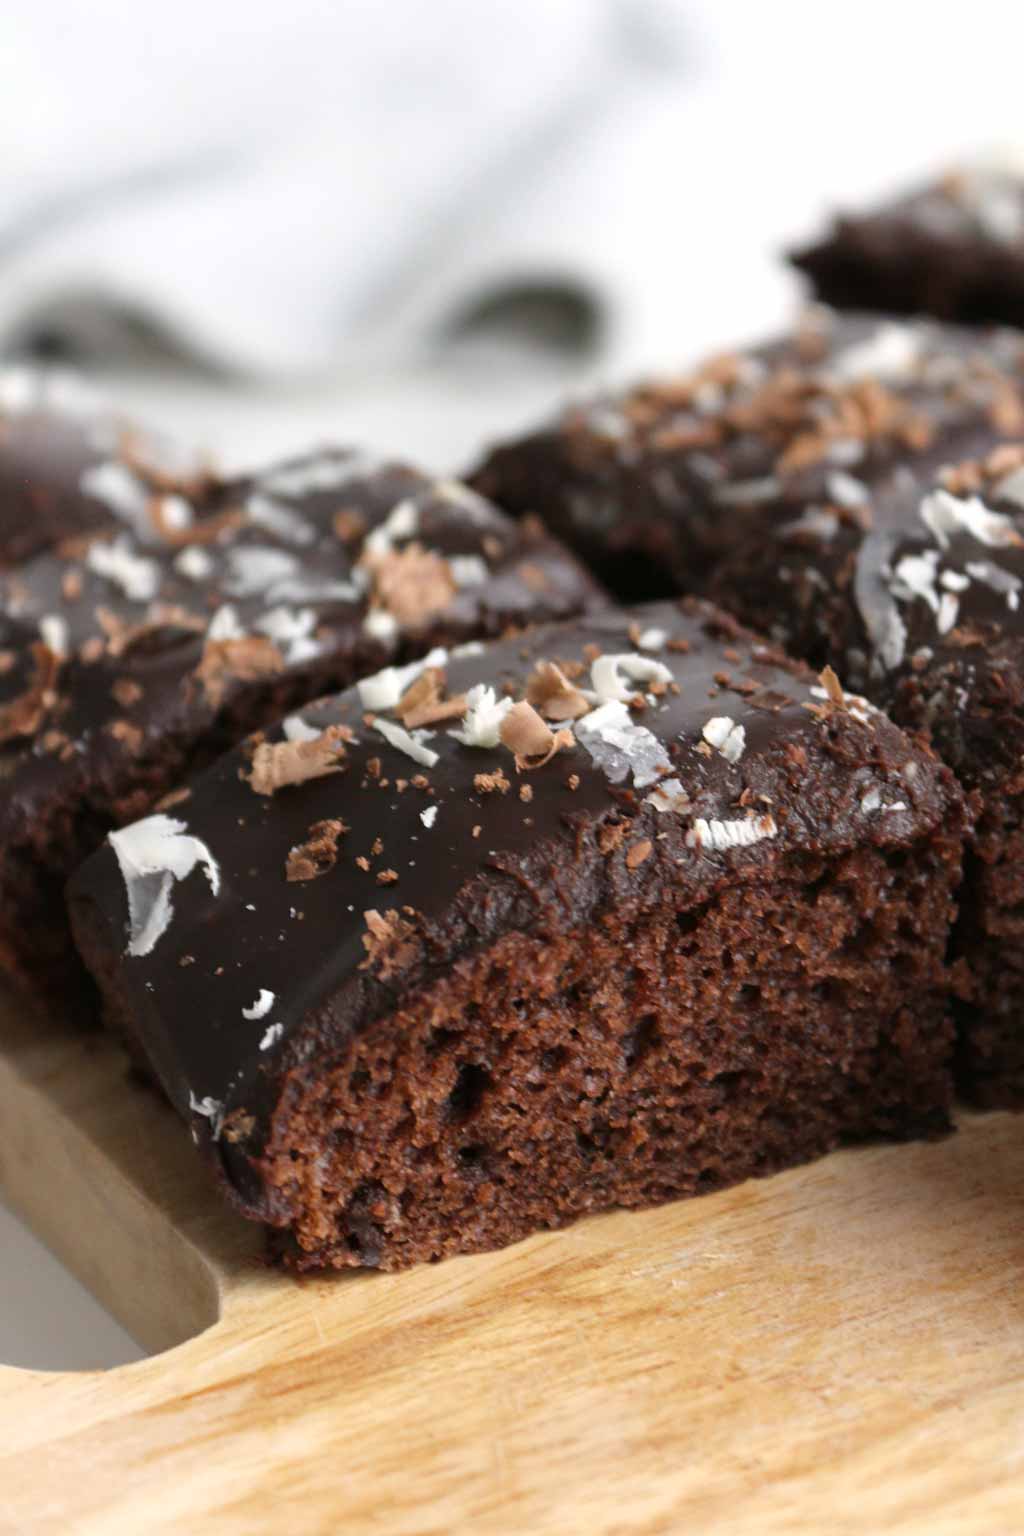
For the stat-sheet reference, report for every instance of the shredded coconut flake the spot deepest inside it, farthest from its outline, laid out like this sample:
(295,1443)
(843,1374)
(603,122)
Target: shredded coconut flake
(892,352)
(211,1109)
(152,855)
(468,570)
(252,568)
(194,563)
(608,675)
(271,1036)
(118,488)
(379,624)
(429,816)
(261,1007)
(385,688)
(326,473)
(402,522)
(281,521)
(945,515)
(54,633)
(745,493)
(997,580)
(137,576)
(652,639)
(409,742)
(224,625)
(720,835)
(846,490)
(481,725)
(872,801)
(292,630)
(728,738)
(949,607)
(669,796)
(297,729)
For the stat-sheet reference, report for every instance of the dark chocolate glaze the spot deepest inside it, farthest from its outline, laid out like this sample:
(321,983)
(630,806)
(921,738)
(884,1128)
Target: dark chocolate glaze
(953,249)
(68,464)
(828,778)
(175,647)
(657,486)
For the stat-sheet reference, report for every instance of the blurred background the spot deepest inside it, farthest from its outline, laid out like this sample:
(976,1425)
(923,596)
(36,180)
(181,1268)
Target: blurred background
(417,227)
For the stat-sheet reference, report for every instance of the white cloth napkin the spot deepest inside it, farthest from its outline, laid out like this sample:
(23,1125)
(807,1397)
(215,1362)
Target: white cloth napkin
(290,189)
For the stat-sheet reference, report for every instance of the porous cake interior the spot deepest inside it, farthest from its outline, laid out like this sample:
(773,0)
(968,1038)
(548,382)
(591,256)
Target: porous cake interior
(652,1055)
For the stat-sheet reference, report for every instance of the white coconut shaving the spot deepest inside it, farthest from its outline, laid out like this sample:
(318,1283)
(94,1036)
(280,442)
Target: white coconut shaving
(891,352)
(114,484)
(610,676)
(305,588)
(954,581)
(379,624)
(949,607)
(402,522)
(620,747)
(210,1108)
(225,625)
(720,835)
(194,564)
(468,570)
(409,742)
(152,855)
(846,490)
(292,630)
(652,639)
(481,724)
(261,1007)
(429,816)
(872,800)
(465,498)
(669,797)
(252,568)
(728,738)
(271,1036)
(745,493)
(297,729)
(326,473)
(53,631)
(282,521)
(915,576)
(137,576)
(384,689)
(945,515)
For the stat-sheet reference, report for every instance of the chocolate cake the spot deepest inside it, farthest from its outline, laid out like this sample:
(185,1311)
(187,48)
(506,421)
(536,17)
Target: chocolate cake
(953,248)
(921,604)
(129,659)
(68,464)
(655,486)
(625,909)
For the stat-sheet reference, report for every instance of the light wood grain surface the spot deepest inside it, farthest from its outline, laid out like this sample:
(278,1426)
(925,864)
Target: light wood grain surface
(837,1350)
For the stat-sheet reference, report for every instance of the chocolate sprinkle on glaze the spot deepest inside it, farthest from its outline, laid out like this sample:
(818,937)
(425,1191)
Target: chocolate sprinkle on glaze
(656,486)
(661,971)
(136,658)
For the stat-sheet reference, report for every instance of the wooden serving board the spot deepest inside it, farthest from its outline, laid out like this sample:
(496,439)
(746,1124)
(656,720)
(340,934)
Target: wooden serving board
(836,1350)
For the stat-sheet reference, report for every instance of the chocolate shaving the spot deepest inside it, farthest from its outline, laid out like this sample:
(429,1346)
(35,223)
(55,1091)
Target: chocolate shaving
(277,765)
(389,943)
(410,583)
(423,703)
(319,852)
(531,739)
(550,691)
(24,715)
(245,661)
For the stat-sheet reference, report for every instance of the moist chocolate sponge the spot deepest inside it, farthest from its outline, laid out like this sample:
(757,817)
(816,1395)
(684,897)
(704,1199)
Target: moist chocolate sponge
(627,908)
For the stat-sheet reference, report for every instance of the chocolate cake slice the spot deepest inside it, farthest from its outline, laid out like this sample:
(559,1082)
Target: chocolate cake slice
(69,464)
(953,248)
(129,659)
(920,603)
(655,486)
(625,909)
